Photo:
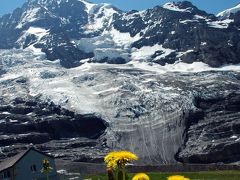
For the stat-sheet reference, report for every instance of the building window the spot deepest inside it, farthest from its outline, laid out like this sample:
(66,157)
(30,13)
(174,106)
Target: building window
(33,168)
(6,174)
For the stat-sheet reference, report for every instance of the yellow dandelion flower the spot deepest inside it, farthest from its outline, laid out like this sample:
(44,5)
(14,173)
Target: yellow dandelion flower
(141,176)
(123,157)
(177,177)
(126,155)
(119,158)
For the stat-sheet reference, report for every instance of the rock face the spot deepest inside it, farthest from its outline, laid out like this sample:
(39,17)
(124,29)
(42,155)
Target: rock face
(46,124)
(159,95)
(214,136)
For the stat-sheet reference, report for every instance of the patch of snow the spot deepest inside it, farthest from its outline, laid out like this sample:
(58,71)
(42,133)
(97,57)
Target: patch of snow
(122,39)
(89,6)
(228,12)
(187,21)
(28,16)
(5,113)
(27,134)
(233,137)
(128,17)
(220,24)
(181,67)
(5,136)
(2,121)
(102,18)
(13,121)
(199,17)
(39,33)
(74,178)
(84,60)
(173,7)
(65,172)
(146,52)
(183,53)
(111,44)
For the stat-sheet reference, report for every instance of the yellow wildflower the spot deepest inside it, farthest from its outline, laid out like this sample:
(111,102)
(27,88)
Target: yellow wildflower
(46,166)
(119,158)
(123,157)
(141,176)
(177,177)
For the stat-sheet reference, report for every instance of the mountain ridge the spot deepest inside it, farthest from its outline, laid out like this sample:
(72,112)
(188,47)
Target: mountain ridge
(78,24)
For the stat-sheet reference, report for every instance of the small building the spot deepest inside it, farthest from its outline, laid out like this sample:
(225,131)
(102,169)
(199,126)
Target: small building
(27,165)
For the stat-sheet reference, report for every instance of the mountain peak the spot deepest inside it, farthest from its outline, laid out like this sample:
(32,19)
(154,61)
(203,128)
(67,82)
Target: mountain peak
(226,14)
(184,6)
(50,2)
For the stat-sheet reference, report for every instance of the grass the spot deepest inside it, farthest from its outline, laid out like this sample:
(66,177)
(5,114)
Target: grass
(210,175)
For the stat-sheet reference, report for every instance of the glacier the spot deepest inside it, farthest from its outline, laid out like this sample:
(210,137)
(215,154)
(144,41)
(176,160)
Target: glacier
(146,105)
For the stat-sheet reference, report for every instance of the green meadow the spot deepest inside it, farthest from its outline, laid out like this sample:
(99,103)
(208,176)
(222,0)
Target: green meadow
(208,175)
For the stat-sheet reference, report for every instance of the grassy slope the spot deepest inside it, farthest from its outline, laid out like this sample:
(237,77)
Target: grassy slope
(212,175)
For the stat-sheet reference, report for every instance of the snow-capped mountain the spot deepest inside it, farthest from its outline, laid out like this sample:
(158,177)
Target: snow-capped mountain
(227,13)
(78,79)
(76,30)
